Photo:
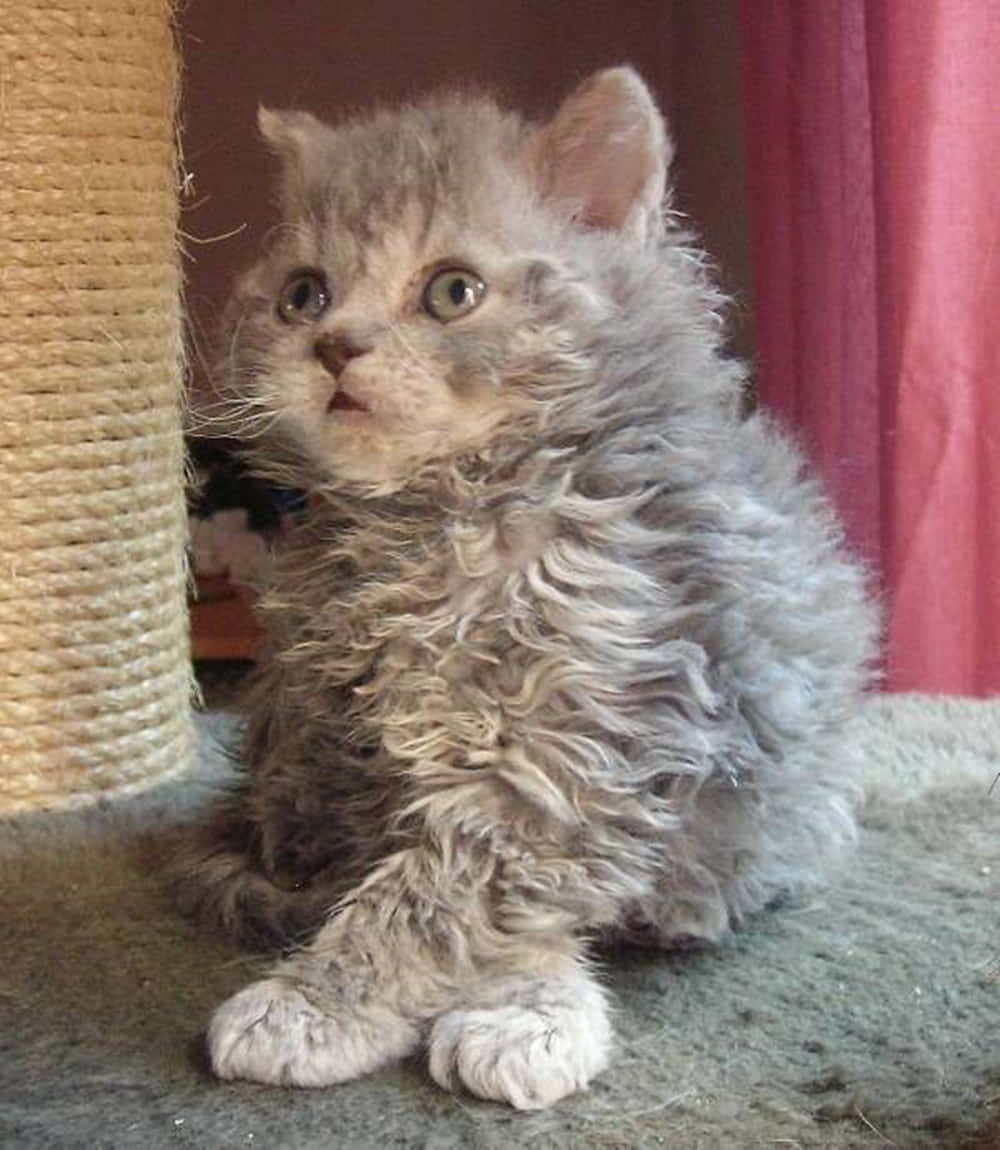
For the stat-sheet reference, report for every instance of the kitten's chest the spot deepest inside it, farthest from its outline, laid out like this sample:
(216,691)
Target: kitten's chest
(345,607)
(400,613)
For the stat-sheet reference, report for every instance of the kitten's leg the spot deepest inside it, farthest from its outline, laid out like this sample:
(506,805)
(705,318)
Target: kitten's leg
(292,1030)
(524,1039)
(518,1017)
(357,997)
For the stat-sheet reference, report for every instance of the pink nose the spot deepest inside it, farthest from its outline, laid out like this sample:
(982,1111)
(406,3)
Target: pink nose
(335,352)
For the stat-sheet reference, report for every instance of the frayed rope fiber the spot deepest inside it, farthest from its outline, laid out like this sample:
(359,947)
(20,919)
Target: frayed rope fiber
(94,654)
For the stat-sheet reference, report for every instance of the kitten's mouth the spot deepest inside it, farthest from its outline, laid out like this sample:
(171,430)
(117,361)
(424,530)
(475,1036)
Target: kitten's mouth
(341,401)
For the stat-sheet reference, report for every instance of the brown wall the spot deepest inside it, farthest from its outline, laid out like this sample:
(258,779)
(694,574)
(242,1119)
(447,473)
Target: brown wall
(332,57)
(707,122)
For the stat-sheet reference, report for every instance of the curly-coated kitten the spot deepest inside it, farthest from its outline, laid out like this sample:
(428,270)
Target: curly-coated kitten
(567,643)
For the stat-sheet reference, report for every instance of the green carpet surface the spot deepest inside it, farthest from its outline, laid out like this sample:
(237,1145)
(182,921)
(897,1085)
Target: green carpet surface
(865,1015)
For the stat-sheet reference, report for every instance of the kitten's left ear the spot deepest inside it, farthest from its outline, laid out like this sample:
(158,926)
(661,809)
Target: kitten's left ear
(605,155)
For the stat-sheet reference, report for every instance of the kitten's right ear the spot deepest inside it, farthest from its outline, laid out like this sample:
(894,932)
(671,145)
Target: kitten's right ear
(288,133)
(292,136)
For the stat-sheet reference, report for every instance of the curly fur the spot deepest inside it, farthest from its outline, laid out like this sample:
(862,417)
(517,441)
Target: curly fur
(568,644)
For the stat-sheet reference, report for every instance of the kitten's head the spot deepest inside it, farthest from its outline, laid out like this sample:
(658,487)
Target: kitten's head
(441,278)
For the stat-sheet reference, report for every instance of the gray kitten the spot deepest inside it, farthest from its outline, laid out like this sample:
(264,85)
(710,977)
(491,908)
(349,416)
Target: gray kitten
(567,644)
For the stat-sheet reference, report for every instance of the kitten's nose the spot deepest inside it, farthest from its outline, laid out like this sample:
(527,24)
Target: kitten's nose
(336,351)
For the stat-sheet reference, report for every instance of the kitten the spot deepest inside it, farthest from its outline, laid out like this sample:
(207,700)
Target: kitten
(567,644)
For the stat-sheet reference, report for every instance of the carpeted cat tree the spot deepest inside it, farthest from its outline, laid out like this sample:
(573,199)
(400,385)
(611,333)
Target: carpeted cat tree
(94,666)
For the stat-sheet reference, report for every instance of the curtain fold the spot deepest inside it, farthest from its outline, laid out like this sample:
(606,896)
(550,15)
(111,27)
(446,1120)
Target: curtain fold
(873,137)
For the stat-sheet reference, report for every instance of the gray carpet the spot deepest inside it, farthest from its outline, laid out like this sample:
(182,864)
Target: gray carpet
(865,1016)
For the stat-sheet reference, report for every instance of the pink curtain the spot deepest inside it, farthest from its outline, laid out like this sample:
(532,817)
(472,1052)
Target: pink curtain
(873,133)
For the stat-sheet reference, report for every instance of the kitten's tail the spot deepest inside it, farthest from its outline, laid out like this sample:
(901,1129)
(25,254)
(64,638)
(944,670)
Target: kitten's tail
(215,880)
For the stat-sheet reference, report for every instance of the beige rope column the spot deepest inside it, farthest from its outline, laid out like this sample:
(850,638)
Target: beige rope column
(94,667)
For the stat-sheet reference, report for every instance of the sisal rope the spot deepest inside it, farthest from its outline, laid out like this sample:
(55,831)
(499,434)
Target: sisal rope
(94,666)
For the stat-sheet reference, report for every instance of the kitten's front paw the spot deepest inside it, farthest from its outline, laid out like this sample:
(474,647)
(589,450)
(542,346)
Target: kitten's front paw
(272,1031)
(527,1056)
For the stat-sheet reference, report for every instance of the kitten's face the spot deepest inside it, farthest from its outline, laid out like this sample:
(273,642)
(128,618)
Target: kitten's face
(382,338)
(413,301)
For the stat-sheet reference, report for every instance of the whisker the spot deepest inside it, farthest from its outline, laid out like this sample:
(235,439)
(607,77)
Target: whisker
(418,358)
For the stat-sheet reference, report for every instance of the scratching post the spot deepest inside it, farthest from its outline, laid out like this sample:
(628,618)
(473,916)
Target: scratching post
(94,667)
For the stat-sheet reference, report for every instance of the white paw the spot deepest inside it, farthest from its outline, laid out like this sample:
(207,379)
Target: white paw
(273,1032)
(529,1056)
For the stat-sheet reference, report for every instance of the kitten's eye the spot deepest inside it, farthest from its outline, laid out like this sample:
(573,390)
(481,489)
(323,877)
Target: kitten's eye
(452,293)
(304,298)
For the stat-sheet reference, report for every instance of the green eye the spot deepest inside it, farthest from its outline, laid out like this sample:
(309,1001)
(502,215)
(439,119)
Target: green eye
(453,292)
(304,298)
